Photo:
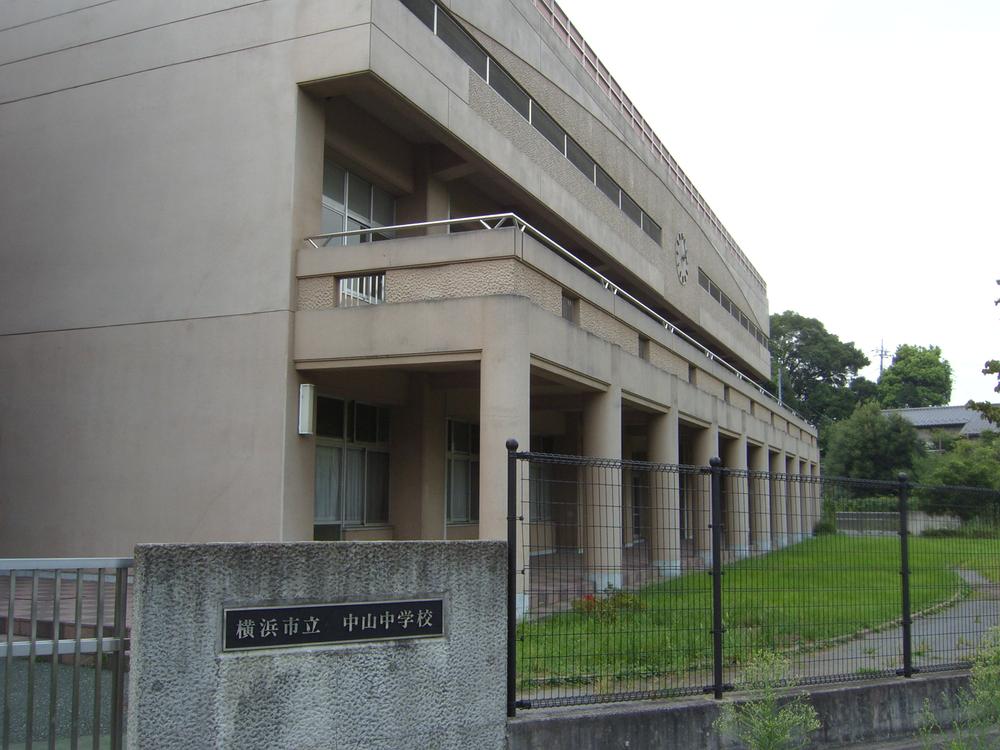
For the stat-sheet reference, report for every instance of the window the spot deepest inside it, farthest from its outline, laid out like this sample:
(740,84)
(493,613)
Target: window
(514,95)
(541,482)
(651,228)
(461,44)
(462,480)
(422,9)
(631,209)
(608,186)
(580,158)
(570,308)
(352,464)
(350,202)
(548,127)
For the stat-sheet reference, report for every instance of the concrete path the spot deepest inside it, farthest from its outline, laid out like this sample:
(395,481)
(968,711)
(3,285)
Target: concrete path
(945,637)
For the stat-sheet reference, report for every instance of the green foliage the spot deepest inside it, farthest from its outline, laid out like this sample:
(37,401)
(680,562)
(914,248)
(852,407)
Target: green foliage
(990,412)
(917,377)
(970,463)
(817,368)
(979,706)
(871,445)
(767,721)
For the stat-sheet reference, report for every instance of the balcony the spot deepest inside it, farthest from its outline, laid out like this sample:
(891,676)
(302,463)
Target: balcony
(501,254)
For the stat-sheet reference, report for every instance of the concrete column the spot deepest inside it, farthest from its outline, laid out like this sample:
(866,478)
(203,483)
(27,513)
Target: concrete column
(706,446)
(817,494)
(793,506)
(779,511)
(665,497)
(737,498)
(504,412)
(760,499)
(602,499)
(805,500)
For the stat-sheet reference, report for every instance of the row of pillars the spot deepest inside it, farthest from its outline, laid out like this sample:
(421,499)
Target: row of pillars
(772,501)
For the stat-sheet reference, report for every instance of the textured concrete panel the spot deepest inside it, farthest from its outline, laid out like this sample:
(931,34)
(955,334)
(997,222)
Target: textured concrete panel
(437,692)
(607,327)
(318,293)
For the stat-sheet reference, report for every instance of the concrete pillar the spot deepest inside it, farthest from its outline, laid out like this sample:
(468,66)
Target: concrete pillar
(664,497)
(793,507)
(760,499)
(805,500)
(706,446)
(737,511)
(817,494)
(779,511)
(504,412)
(602,499)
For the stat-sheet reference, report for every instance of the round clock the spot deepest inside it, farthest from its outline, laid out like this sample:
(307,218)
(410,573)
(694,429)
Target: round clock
(681,252)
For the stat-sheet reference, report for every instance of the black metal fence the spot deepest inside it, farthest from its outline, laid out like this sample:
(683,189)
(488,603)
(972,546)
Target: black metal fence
(638,580)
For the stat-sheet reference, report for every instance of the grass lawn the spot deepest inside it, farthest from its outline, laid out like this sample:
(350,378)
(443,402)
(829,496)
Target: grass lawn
(801,596)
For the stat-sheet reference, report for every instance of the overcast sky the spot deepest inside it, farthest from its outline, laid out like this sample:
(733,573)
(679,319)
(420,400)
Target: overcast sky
(852,148)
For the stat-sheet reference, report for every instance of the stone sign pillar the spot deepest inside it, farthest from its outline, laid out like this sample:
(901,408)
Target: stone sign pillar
(319,645)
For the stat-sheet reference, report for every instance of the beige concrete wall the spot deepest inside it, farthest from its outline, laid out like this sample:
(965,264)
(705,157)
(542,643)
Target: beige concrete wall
(664,359)
(474,279)
(601,324)
(165,432)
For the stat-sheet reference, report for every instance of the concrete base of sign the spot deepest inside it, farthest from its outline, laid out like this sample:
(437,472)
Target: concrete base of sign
(441,692)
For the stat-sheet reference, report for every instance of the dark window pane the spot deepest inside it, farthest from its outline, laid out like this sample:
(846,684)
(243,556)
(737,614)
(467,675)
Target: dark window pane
(703,279)
(547,126)
(333,221)
(608,186)
(461,43)
(333,182)
(383,425)
(384,205)
(377,488)
(651,228)
(330,417)
(474,492)
(474,439)
(505,86)
(422,9)
(460,437)
(359,197)
(580,158)
(366,423)
(631,209)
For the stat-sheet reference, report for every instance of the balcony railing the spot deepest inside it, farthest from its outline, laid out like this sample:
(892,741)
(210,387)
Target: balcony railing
(511,220)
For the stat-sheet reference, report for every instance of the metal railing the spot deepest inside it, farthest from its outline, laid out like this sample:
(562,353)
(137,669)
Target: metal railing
(64,653)
(556,17)
(641,580)
(507,220)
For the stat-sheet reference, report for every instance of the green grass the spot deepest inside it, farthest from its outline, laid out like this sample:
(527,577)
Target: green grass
(801,597)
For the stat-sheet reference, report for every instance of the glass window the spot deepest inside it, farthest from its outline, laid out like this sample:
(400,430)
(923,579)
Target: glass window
(703,280)
(461,43)
(359,198)
(547,127)
(631,209)
(651,228)
(462,473)
(422,9)
(351,203)
(580,158)
(504,85)
(352,464)
(608,186)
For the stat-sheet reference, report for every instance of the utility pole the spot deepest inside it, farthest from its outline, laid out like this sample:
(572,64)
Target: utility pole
(882,353)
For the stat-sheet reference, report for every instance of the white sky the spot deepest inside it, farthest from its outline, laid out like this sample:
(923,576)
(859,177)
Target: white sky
(852,148)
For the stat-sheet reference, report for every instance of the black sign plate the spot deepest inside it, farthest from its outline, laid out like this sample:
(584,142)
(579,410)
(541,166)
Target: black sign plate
(320,624)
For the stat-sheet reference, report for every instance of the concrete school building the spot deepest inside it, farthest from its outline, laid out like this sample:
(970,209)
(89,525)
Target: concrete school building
(501,247)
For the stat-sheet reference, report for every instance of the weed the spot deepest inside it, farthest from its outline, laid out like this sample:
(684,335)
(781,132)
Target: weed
(769,721)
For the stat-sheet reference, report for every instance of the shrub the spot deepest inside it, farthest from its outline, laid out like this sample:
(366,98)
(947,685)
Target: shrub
(767,721)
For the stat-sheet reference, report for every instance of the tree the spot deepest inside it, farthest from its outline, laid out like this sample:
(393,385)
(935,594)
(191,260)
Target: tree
(969,463)
(871,445)
(989,411)
(816,368)
(917,377)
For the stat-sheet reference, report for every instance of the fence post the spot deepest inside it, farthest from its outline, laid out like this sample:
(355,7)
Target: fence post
(716,473)
(904,552)
(511,577)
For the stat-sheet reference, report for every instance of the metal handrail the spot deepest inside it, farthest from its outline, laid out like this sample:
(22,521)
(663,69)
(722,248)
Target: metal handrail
(323,240)
(556,17)
(64,563)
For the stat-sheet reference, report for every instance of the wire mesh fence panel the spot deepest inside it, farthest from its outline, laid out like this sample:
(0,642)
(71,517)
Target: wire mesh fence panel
(616,602)
(955,573)
(829,600)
